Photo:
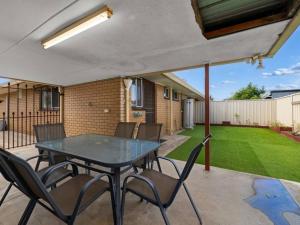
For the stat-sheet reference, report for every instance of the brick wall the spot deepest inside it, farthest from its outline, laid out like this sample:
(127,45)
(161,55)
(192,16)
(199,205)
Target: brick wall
(163,107)
(177,114)
(33,106)
(85,107)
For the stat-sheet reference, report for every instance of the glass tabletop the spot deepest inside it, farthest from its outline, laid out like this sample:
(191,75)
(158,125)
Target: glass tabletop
(103,150)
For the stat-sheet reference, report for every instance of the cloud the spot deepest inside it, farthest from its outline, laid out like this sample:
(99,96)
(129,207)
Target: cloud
(213,86)
(293,70)
(284,86)
(228,82)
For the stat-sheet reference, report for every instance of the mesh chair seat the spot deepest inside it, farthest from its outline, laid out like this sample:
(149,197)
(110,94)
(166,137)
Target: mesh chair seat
(56,176)
(66,195)
(164,184)
(150,132)
(125,129)
(48,132)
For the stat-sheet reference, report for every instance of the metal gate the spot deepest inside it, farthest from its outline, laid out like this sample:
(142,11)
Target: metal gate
(24,104)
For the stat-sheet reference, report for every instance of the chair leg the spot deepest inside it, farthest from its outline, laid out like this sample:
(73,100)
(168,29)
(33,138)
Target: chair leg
(87,171)
(27,213)
(123,204)
(5,193)
(135,169)
(192,202)
(37,165)
(157,161)
(164,215)
(113,205)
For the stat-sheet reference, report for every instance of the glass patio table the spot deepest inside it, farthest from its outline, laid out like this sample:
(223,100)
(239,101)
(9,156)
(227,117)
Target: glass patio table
(106,151)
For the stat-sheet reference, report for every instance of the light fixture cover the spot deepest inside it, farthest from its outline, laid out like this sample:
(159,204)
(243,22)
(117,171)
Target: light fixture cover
(79,26)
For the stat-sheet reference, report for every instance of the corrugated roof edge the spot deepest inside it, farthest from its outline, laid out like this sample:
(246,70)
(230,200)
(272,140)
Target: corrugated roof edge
(179,81)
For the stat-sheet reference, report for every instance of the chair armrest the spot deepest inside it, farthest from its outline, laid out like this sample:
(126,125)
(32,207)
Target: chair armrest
(36,156)
(172,162)
(146,180)
(87,186)
(206,139)
(51,169)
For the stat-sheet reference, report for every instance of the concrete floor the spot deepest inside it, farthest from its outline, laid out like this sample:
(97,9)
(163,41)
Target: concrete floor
(220,196)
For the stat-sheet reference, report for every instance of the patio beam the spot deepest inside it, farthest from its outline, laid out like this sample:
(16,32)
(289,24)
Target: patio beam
(207,119)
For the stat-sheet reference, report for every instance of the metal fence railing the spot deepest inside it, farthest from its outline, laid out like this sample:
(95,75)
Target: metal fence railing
(17,130)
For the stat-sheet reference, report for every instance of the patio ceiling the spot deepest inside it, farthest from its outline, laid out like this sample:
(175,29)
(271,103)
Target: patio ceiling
(141,37)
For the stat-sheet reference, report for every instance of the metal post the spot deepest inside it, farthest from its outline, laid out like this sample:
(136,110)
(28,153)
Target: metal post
(171,111)
(26,115)
(18,113)
(8,114)
(61,104)
(207,119)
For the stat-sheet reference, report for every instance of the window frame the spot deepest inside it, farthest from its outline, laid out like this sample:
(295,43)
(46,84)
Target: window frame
(173,95)
(139,93)
(49,97)
(168,91)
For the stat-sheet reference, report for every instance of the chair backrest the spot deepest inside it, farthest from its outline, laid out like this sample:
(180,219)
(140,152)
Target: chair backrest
(48,132)
(25,174)
(188,166)
(125,129)
(192,159)
(149,131)
(4,169)
(27,178)
(8,173)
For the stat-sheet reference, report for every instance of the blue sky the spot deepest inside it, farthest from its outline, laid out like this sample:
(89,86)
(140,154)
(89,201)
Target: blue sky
(280,72)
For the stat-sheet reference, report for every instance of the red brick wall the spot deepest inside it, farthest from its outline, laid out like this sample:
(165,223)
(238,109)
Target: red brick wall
(85,105)
(163,107)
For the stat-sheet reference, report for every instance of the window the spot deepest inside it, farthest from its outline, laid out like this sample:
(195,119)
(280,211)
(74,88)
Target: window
(166,93)
(137,92)
(175,95)
(49,99)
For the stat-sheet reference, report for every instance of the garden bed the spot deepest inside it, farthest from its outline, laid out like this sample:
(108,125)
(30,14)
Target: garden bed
(291,136)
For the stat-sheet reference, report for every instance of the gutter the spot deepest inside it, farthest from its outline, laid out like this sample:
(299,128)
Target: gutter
(288,31)
(182,83)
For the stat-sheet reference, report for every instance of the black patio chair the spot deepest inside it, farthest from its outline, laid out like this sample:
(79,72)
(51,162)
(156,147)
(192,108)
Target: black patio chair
(125,129)
(65,201)
(48,132)
(8,177)
(57,176)
(161,189)
(149,132)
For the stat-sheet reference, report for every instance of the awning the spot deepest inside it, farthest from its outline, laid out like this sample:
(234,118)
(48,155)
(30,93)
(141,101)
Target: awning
(141,37)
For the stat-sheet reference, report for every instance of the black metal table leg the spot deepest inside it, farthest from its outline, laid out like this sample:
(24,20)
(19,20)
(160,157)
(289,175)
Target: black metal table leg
(117,183)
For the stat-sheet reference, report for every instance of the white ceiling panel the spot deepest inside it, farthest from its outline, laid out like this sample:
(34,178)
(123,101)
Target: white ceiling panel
(141,37)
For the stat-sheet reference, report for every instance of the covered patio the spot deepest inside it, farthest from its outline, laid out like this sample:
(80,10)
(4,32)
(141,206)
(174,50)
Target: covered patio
(219,194)
(135,40)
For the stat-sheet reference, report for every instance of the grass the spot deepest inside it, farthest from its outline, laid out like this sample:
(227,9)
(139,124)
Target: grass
(253,150)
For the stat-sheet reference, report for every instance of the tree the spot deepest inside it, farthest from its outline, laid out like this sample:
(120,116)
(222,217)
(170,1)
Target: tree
(251,91)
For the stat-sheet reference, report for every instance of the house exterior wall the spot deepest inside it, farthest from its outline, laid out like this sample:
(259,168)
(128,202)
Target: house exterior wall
(177,114)
(163,111)
(94,107)
(23,123)
(97,107)
(22,102)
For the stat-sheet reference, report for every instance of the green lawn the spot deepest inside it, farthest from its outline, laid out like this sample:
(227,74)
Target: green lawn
(253,150)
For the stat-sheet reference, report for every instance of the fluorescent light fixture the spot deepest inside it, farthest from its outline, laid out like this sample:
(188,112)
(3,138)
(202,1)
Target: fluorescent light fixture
(79,26)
